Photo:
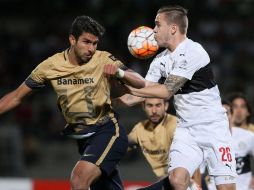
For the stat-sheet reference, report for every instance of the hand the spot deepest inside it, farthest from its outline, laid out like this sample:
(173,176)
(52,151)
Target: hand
(110,70)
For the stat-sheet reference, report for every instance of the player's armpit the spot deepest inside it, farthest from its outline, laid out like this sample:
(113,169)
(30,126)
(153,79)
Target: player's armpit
(126,100)
(173,83)
(14,98)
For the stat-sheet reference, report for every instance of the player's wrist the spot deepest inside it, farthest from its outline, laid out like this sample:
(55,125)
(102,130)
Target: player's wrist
(119,73)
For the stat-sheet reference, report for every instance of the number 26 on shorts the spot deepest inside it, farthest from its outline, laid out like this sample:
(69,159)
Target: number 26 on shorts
(225,154)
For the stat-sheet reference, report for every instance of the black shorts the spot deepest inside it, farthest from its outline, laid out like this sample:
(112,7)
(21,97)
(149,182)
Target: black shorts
(106,147)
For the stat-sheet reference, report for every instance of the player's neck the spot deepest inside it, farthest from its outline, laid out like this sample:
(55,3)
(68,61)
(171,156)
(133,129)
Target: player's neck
(73,58)
(174,42)
(243,125)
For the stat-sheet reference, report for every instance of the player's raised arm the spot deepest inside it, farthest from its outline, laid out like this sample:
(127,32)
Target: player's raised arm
(14,98)
(128,76)
(172,84)
(127,100)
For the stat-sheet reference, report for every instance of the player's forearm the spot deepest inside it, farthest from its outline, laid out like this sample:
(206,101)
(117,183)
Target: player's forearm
(9,102)
(156,91)
(14,98)
(133,79)
(127,100)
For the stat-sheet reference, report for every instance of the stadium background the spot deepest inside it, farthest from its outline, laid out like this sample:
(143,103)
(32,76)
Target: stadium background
(30,31)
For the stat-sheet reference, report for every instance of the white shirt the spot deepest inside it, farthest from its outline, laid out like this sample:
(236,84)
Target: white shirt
(243,143)
(194,107)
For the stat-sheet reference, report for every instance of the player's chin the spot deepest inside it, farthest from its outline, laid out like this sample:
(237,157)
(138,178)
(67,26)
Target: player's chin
(155,119)
(159,43)
(86,58)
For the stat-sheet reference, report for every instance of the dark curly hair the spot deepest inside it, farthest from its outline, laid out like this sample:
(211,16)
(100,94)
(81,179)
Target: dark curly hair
(86,24)
(236,95)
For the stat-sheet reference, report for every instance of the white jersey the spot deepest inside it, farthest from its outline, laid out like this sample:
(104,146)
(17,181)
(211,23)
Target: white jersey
(243,144)
(200,93)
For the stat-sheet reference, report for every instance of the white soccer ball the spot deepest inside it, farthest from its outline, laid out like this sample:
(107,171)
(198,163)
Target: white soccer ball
(141,42)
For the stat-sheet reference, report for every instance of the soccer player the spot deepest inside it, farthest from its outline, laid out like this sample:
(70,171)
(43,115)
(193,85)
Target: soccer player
(155,134)
(243,143)
(83,93)
(202,131)
(241,114)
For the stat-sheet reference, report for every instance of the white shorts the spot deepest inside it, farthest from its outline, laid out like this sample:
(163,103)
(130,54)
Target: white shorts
(209,143)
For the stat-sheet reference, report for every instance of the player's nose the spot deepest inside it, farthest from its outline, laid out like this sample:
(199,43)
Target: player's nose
(155,29)
(92,48)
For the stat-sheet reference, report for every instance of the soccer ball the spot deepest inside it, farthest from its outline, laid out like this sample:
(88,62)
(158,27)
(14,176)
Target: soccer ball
(141,42)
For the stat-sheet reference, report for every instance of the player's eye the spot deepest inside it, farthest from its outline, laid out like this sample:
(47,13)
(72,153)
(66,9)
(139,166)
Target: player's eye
(86,41)
(95,43)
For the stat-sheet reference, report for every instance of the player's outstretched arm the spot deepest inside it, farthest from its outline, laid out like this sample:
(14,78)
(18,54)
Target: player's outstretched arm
(134,79)
(14,98)
(128,76)
(165,91)
(126,100)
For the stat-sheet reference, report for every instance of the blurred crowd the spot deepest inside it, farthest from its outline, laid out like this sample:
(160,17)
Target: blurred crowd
(31,31)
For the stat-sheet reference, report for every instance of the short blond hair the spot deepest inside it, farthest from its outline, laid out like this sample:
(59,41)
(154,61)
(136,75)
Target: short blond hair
(176,14)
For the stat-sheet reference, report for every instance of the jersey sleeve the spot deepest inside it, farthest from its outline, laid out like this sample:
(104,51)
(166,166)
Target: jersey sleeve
(110,59)
(38,76)
(133,136)
(189,62)
(154,72)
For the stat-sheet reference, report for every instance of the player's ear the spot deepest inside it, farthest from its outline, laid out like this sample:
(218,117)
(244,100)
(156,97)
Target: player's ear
(143,105)
(166,105)
(173,28)
(72,39)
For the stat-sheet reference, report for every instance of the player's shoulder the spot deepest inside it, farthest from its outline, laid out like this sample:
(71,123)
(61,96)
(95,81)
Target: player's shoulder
(101,53)
(51,61)
(141,124)
(189,48)
(193,51)
(56,59)
(170,119)
(170,116)
(251,127)
(105,55)
(243,132)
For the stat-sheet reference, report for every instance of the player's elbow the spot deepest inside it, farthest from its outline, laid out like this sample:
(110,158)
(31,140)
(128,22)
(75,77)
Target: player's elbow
(166,94)
(140,83)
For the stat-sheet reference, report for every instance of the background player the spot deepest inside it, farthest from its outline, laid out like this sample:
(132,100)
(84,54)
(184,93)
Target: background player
(154,136)
(243,143)
(83,93)
(241,117)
